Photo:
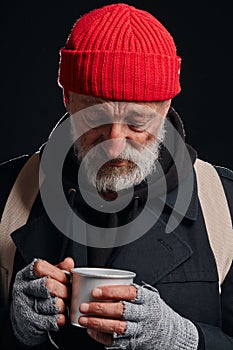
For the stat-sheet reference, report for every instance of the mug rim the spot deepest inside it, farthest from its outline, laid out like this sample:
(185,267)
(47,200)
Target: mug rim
(102,272)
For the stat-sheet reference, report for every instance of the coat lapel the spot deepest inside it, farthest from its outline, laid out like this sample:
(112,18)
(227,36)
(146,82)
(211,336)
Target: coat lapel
(40,238)
(154,255)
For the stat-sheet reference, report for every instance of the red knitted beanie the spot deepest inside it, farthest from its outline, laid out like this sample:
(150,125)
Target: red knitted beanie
(120,53)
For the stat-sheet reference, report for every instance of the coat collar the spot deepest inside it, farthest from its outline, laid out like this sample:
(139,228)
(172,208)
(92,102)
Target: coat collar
(192,210)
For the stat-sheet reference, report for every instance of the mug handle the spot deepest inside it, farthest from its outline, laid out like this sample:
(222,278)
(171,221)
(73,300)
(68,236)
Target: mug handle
(68,275)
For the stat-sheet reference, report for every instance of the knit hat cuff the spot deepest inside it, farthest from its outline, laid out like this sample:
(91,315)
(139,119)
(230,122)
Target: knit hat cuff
(127,76)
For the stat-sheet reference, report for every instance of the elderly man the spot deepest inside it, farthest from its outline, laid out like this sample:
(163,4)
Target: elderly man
(117,189)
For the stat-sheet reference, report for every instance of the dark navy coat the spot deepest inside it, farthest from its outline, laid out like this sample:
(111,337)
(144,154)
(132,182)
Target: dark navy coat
(181,265)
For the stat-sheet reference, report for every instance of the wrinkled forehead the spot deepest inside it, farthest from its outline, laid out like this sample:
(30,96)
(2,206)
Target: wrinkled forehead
(115,107)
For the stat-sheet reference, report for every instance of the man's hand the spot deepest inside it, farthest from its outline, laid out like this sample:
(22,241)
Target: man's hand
(39,296)
(138,319)
(110,314)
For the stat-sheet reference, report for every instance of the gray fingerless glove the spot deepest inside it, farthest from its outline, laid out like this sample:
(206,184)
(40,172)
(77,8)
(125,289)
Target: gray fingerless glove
(33,310)
(152,325)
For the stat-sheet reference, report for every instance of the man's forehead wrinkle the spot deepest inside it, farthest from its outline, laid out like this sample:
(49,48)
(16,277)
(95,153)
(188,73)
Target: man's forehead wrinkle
(123,109)
(134,106)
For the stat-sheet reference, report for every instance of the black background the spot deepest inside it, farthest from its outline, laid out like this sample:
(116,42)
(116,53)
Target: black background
(32,33)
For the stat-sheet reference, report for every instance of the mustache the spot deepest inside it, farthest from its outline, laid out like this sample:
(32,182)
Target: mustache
(119,159)
(128,154)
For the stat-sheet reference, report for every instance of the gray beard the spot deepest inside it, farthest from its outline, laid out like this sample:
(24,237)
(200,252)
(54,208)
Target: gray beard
(108,177)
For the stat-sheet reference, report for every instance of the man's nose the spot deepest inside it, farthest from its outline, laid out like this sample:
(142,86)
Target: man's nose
(114,140)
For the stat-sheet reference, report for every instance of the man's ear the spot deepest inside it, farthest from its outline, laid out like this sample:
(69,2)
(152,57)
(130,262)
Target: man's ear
(169,103)
(167,106)
(66,100)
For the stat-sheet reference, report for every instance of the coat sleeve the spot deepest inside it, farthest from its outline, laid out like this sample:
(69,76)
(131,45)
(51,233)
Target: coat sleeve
(222,338)
(8,173)
(216,338)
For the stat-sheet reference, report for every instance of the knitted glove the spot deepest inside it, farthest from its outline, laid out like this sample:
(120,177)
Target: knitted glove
(152,324)
(33,310)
